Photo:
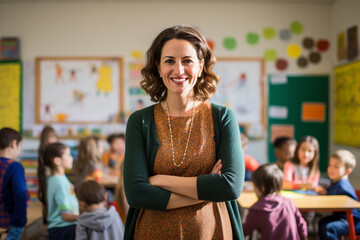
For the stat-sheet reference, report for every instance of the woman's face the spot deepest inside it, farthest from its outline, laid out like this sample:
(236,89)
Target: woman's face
(306,153)
(179,67)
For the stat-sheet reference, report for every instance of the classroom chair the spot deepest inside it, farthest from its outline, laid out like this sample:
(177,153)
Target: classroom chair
(357,191)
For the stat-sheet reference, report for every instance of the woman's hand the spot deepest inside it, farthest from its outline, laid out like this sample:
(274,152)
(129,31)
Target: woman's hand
(217,168)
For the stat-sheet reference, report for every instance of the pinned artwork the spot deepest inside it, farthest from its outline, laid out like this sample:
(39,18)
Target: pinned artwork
(308,43)
(315,57)
(341,47)
(293,50)
(281,130)
(322,45)
(313,112)
(352,43)
(270,55)
(211,44)
(281,64)
(136,54)
(252,38)
(229,43)
(296,27)
(302,62)
(269,33)
(285,35)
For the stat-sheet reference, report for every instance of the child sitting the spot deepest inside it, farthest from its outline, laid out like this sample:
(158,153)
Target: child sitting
(115,156)
(250,163)
(13,194)
(97,222)
(341,164)
(284,148)
(273,216)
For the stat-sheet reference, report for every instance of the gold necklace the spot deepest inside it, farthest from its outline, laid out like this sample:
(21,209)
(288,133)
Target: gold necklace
(171,135)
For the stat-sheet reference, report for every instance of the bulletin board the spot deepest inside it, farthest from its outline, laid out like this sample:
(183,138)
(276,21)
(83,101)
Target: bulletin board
(79,90)
(347,104)
(11,94)
(241,88)
(298,106)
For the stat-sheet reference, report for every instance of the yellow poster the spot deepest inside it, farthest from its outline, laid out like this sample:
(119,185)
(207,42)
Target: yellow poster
(10,95)
(347,104)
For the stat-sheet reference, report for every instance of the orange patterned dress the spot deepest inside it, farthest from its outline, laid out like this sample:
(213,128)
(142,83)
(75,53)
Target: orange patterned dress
(207,220)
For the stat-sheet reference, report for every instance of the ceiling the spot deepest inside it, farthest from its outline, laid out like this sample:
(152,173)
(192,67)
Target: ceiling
(193,1)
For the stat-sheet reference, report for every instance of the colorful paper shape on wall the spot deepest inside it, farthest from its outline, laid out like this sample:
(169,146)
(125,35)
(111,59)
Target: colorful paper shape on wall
(341,46)
(278,112)
(352,43)
(315,57)
(302,62)
(137,54)
(270,55)
(252,38)
(281,64)
(279,130)
(269,33)
(285,34)
(313,112)
(10,48)
(293,50)
(211,44)
(308,43)
(229,43)
(296,27)
(322,45)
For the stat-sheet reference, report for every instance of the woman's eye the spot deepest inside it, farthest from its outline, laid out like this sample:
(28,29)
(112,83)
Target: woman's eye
(169,61)
(188,61)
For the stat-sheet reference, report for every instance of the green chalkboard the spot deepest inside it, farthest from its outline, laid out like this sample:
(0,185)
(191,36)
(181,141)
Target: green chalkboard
(299,103)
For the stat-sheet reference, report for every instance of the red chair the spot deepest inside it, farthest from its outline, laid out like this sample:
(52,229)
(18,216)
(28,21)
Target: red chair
(358,196)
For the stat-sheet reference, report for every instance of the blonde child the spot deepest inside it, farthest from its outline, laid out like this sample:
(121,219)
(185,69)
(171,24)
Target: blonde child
(250,163)
(120,202)
(341,164)
(284,148)
(57,193)
(273,216)
(302,172)
(13,193)
(97,222)
(88,164)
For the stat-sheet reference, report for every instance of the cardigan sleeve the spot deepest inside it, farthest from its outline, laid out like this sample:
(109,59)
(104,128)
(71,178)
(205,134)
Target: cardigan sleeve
(228,185)
(139,193)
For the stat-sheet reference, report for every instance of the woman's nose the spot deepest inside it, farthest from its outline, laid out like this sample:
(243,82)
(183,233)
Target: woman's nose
(179,68)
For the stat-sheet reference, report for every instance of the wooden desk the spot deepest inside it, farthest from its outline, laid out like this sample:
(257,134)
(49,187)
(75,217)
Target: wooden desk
(319,203)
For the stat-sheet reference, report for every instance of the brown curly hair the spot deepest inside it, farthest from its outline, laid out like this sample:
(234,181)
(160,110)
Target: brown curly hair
(205,86)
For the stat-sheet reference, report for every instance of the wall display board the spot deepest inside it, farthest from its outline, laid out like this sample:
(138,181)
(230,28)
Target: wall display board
(347,104)
(79,90)
(298,106)
(241,88)
(10,94)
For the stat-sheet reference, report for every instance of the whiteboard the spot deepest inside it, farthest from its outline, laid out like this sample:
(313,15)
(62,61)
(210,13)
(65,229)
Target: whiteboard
(79,90)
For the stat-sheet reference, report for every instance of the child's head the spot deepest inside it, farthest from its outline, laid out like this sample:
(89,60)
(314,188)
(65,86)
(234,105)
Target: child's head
(284,148)
(10,142)
(307,152)
(267,179)
(48,135)
(116,142)
(244,141)
(91,193)
(89,153)
(341,164)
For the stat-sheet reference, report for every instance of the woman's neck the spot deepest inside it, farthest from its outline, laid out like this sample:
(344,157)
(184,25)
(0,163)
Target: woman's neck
(179,106)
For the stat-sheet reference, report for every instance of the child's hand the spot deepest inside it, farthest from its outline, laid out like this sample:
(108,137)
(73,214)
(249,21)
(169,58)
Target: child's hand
(320,190)
(217,168)
(308,186)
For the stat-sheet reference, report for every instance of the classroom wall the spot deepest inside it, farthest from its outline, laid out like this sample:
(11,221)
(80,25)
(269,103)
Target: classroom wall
(116,29)
(345,14)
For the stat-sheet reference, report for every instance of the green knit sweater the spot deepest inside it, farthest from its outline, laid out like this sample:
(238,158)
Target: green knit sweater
(141,149)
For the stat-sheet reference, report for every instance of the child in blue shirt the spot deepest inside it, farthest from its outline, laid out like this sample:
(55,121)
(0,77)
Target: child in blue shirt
(57,193)
(341,164)
(13,194)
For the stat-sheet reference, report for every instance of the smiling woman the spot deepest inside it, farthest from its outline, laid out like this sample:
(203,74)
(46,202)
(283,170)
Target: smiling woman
(183,167)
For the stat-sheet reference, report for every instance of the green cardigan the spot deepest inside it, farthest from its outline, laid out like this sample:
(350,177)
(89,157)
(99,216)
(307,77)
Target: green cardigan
(141,148)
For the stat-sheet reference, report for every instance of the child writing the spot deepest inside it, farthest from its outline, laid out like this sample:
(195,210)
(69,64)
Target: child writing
(57,193)
(273,216)
(341,164)
(13,194)
(97,222)
(303,171)
(284,148)
(88,164)
(250,163)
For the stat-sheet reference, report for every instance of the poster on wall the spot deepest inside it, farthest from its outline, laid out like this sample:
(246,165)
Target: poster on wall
(241,89)
(79,90)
